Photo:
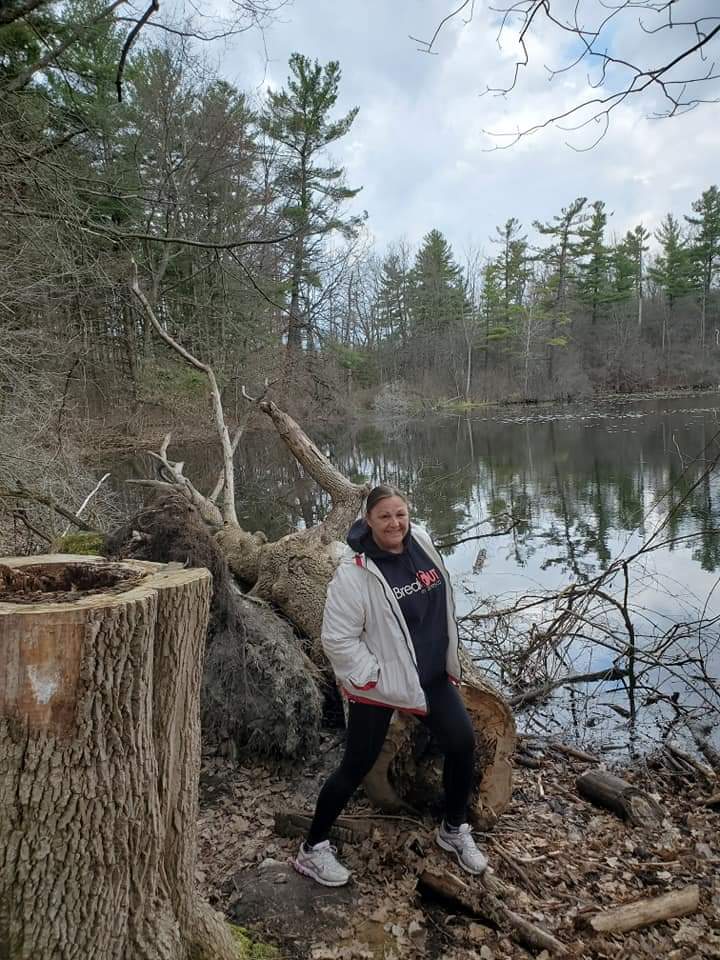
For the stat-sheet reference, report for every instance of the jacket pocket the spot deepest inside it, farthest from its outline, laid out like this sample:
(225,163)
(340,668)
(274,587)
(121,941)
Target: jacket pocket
(365,676)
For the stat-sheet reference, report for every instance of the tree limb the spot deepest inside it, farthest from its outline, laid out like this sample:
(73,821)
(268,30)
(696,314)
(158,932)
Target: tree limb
(229,512)
(21,492)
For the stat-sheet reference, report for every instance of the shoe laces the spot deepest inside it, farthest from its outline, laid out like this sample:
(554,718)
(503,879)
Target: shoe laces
(464,835)
(326,852)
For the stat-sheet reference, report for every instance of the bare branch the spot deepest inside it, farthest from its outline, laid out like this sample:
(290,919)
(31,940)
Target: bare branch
(229,512)
(21,492)
(131,37)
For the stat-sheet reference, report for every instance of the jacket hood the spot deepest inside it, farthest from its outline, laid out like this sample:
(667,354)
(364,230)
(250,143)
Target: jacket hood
(360,539)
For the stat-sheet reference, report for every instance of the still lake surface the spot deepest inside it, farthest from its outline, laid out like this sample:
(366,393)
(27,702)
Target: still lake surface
(585,485)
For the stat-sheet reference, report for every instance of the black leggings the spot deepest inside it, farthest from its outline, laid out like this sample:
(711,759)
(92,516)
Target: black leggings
(448,722)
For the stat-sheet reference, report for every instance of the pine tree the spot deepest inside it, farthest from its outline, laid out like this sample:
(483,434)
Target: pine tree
(705,248)
(513,268)
(298,120)
(593,273)
(393,302)
(636,247)
(672,270)
(493,309)
(560,262)
(437,293)
(437,298)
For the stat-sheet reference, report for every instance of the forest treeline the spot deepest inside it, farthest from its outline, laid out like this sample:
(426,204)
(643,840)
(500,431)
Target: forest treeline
(247,240)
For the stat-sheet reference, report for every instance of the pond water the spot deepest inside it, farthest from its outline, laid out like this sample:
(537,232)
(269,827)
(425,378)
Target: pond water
(580,486)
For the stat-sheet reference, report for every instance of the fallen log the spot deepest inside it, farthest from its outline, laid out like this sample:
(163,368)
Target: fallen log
(479,902)
(408,773)
(605,790)
(293,574)
(345,829)
(643,913)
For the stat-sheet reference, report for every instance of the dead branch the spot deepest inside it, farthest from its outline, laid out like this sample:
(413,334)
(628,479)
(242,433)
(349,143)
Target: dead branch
(478,901)
(229,513)
(706,772)
(86,502)
(345,495)
(21,492)
(543,691)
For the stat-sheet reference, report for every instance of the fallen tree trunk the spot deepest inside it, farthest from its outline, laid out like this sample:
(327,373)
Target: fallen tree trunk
(260,692)
(293,574)
(100,669)
(293,824)
(606,790)
(408,772)
(643,913)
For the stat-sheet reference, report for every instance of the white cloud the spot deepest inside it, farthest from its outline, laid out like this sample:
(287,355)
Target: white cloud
(420,146)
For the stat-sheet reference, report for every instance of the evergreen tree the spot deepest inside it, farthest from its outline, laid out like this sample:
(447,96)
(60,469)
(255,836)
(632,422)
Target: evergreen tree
(437,295)
(593,272)
(672,270)
(494,307)
(513,268)
(298,120)
(560,261)
(636,247)
(393,303)
(705,248)
(437,298)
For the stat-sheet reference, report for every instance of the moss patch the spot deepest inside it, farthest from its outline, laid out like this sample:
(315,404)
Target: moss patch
(249,949)
(82,542)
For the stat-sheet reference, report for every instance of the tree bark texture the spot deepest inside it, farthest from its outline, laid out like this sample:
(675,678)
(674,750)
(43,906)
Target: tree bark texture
(643,913)
(606,790)
(99,767)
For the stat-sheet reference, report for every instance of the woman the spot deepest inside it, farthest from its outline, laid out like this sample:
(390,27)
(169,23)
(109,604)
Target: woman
(389,632)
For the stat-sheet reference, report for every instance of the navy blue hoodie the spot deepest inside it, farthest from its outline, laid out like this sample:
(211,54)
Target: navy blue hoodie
(420,590)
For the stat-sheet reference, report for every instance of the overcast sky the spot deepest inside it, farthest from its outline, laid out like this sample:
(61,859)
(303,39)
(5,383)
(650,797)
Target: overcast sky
(419,146)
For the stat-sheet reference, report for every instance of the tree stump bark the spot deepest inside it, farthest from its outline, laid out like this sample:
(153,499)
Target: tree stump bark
(408,772)
(606,790)
(99,761)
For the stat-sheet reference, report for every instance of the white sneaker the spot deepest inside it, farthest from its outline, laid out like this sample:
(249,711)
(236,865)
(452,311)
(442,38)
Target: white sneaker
(320,863)
(461,843)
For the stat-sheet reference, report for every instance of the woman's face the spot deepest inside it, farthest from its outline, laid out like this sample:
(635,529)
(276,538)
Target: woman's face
(389,521)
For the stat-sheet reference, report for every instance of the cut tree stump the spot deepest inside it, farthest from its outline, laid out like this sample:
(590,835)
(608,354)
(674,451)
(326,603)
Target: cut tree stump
(643,913)
(100,669)
(612,793)
(408,773)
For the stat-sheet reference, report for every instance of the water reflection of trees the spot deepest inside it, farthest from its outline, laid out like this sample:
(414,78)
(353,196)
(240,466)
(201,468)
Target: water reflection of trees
(573,484)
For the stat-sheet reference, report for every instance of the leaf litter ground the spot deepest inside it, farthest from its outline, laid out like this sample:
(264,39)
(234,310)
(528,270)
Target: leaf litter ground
(561,858)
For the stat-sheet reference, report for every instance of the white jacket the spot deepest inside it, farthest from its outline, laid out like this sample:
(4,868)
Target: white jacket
(366,639)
